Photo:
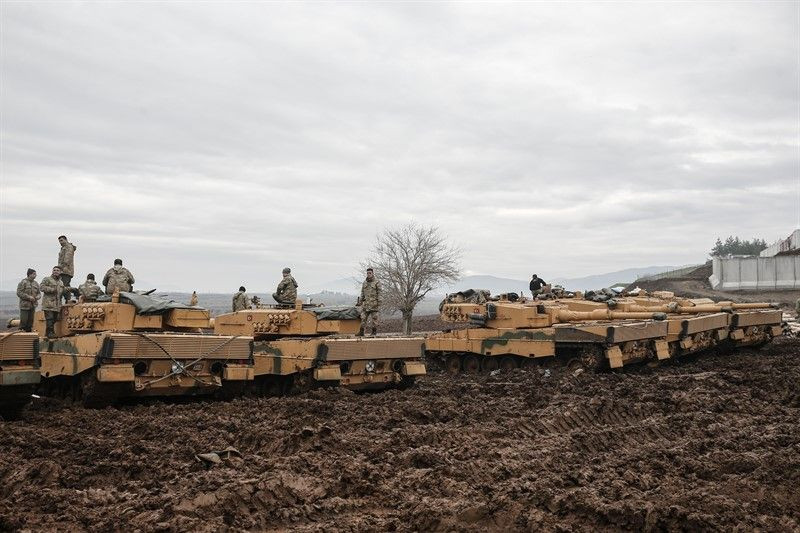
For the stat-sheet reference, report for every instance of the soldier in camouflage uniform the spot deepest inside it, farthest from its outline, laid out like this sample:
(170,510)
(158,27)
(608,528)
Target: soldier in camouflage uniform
(66,260)
(89,289)
(286,292)
(240,300)
(28,294)
(118,277)
(369,302)
(53,289)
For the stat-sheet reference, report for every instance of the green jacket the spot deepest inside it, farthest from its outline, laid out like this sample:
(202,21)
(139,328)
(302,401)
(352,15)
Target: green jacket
(370,295)
(90,290)
(240,301)
(287,290)
(118,277)
(53,289)
(28,293)
(66,259)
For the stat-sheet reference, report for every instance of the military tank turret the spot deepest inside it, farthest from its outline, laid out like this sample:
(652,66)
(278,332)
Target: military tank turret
(136,345)
(299,347)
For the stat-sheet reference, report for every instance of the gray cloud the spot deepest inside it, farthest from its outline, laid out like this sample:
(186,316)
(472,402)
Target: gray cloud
(212,144)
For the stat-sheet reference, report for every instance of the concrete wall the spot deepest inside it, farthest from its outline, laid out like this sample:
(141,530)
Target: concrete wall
(792,242)
(751,273)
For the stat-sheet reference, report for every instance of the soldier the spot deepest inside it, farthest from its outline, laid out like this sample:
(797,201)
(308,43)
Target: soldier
(53,289)
(797,308)
(240,300)
(369,302)
(28,294)
(536,285)
(66,260)
(118,277)
(287,289)
(89,289)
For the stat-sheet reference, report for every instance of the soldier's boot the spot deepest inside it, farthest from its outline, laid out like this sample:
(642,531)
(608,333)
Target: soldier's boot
(374,331)
(360,332)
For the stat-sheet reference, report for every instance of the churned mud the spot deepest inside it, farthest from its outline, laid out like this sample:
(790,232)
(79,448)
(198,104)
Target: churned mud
(713,444)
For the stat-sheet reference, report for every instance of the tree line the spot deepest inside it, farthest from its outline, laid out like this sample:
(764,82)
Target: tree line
(736,246)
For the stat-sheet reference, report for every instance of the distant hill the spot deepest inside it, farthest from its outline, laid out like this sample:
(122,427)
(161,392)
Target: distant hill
(599,281)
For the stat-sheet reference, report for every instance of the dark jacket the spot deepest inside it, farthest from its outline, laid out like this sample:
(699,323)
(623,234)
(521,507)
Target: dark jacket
(537,284)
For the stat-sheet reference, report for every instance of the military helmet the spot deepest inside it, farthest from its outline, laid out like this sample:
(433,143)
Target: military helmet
(287,270)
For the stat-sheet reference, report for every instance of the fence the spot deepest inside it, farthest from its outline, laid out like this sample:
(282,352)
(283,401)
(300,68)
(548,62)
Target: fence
(756,273)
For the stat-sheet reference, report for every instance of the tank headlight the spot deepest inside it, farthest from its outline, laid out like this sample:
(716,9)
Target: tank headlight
(370,366)
(177,368)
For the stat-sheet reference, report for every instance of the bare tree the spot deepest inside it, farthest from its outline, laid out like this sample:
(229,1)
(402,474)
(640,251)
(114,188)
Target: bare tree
(409,262)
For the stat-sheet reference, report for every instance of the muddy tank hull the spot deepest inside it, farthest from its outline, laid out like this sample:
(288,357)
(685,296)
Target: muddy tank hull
(19,372)
(296,364)
(101,368)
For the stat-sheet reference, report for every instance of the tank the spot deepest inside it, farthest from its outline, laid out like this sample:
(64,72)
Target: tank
(747,324)
(138,345)
(508,334)
(305,346)
(19,371)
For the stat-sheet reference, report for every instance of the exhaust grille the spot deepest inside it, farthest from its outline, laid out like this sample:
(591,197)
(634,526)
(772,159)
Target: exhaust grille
(179,346)
(17,345)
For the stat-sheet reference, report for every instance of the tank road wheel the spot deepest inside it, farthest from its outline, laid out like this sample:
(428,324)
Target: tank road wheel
(231,390)
(592,358)
(453,363)
(97,395)
(472,365)
(490,363)
(508,363)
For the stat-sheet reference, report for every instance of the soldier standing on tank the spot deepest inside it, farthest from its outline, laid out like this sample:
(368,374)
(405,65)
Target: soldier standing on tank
(53,289)
(66,260)
(240,300)
(118,277)
(89,289)
(370,303)
(286,293)
(536,285)
(28,294)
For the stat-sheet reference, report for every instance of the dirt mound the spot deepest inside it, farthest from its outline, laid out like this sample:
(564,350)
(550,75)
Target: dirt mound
(707,444)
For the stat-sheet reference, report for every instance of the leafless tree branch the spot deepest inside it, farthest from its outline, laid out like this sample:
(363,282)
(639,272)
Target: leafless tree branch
(410,261)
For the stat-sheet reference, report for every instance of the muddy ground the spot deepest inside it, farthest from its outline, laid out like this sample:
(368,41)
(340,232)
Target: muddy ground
(710,444)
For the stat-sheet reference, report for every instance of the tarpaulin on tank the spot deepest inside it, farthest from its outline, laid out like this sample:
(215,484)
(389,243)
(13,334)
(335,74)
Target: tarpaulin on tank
(336,313)
(472,296)
(147,304)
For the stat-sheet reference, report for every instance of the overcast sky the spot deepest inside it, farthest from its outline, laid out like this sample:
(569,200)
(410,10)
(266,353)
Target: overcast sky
(209,145)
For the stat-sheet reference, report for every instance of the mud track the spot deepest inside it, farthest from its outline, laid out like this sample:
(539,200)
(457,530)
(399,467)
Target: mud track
(711,444)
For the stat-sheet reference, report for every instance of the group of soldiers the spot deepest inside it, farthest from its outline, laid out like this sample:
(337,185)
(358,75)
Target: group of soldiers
(56,288)
(286,294)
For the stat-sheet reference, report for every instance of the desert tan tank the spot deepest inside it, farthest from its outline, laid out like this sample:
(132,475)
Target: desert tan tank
(19,371)
(304,346)
(510,334)
(700,324)
(137,345)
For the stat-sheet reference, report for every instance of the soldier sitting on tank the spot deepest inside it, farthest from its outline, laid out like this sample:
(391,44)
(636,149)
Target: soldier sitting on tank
(240,300)
(89,289)
(286,294)
(118,278)
(536,285)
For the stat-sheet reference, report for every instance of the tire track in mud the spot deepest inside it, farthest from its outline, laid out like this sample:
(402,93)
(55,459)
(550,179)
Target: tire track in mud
(709,444)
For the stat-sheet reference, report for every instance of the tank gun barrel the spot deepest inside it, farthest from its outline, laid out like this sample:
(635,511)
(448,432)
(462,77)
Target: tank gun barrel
(563,315)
